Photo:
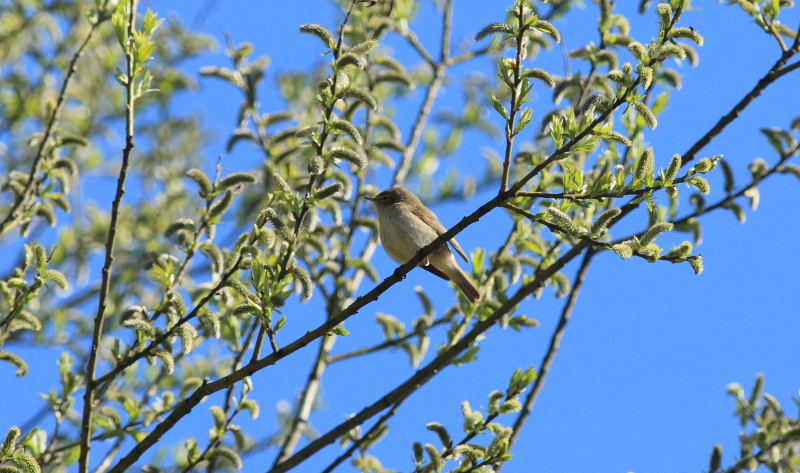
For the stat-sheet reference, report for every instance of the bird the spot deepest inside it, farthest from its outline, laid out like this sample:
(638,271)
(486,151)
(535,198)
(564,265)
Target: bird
(406,226)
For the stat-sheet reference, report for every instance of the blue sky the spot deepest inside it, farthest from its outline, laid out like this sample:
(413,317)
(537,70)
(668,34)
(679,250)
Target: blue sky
(639,384)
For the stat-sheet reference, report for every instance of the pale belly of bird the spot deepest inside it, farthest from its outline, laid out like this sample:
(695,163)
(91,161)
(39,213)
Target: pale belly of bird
(401,247)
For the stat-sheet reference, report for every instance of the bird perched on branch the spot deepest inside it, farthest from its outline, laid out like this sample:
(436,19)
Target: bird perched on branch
(406,226)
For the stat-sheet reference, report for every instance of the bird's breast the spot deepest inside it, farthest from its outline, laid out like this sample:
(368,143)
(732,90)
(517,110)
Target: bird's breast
(403,234)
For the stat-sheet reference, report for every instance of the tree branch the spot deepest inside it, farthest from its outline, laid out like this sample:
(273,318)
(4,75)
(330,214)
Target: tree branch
(12,218)
(775,72)
(425,374)
(97,335)
(552,350)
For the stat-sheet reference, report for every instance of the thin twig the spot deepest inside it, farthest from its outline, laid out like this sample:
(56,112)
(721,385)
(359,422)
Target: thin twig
(419,125)
(602,196)
(552,350)
(393,343)
(97,335)
(412,39)
(12,217)
(431,94)
(237,364)
(730,197)
(366,437)
(775,72)
(305,403)
(514,105)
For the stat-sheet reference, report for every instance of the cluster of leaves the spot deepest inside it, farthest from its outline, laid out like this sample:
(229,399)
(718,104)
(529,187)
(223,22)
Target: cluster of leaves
(473,456)
(16,293)
(772,438)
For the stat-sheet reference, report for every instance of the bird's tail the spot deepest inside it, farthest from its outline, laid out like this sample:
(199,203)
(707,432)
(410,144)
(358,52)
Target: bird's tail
(466,286)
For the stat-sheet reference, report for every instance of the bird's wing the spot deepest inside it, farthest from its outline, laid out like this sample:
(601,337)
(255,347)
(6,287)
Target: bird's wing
(458,249)
(429,218)
(432,269)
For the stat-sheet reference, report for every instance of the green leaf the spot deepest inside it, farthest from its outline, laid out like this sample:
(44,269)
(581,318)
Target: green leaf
(340,331)
(548,28)
(236,179)
(444,436)
(57,277)
(499,107)
(202,181)
(227,454)
(647,114)
(320,32)
(250,406)
(346,128)
(540,75)
(364,48)
(10,442)
(524,119)
(493,28)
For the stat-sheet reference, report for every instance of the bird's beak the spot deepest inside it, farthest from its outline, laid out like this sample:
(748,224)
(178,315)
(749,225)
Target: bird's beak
(371,199)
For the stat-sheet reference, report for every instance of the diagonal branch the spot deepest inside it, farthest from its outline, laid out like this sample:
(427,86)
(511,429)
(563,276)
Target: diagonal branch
(425,374)
(775,72)
(439,70)
(13,216)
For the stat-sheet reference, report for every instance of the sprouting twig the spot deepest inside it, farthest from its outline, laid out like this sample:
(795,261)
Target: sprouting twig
(105,285)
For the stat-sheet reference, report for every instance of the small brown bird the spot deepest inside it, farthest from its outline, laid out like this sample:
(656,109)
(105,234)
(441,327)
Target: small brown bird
(406,226)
